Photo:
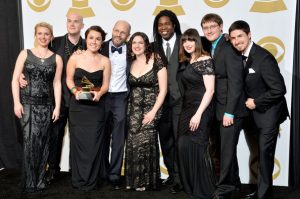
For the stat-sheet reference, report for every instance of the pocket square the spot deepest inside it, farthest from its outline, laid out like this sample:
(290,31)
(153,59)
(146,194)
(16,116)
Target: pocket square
(251,70)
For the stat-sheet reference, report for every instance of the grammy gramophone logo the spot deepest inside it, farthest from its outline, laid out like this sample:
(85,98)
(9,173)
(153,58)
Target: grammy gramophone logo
(39,5)
(216,3)
(274,45)
(82,8)
(267,6)
(169,5)
(123,5)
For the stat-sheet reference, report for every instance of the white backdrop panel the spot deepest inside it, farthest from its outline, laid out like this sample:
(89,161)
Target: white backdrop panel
(275,18)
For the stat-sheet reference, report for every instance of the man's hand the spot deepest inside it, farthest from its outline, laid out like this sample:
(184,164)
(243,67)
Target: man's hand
(22,81)
(227,121)
(250,104)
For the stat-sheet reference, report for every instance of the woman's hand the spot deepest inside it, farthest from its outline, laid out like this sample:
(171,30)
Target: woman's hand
(18,109)
(148,117)
(194,122)
(55,114)
(96,95)
(76,94)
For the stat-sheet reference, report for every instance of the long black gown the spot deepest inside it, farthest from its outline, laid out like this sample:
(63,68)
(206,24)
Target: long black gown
(37,99)
(86,134)
(142,149)
(197,173)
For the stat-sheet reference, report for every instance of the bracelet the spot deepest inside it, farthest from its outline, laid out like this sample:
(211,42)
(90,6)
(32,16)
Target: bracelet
(73,89)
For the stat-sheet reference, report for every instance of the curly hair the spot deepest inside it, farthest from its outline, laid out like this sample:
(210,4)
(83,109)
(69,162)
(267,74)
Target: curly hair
(148,49)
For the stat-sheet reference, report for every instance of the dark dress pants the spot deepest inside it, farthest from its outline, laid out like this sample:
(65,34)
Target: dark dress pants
(251,137)
(267,144)
(229,172)
(56,140)
(115,114)
(168,134)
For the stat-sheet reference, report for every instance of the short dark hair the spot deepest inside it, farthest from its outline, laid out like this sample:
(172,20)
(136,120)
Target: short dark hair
(239,25)
(191,34)
(97,29)
(212,17)
(148,48)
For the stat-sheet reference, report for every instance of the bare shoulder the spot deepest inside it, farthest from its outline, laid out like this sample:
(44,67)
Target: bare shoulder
(23,53)
(58,57)
(203,58)
(75,57)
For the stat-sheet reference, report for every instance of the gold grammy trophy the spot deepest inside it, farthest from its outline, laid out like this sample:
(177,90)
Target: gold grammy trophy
(268,6)
(169,5)
(86,87)
(82,8)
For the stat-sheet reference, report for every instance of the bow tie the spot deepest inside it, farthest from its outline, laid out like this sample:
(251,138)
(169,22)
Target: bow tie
(244,57)
(119,50)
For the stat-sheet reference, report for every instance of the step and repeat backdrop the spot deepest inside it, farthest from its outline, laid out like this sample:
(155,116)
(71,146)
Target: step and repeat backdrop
(272,25)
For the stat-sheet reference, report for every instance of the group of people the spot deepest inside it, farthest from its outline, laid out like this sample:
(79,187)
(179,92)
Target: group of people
(194,93)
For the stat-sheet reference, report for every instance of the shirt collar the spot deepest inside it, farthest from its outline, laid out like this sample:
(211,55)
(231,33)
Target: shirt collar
(247,51)
(171,41)
(215,43)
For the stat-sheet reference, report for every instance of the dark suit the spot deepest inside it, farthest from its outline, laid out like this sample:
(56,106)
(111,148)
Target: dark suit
(230,98)
(64,48)
(115,129)
(168,124)
(265,85)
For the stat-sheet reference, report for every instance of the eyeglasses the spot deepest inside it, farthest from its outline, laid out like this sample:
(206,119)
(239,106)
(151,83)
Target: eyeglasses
(212,27)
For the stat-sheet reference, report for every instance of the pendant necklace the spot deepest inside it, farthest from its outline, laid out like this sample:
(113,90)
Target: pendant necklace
(42,58)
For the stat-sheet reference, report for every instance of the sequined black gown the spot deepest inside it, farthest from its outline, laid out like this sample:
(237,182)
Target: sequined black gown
(86,133)
(197,173)
(37,99)
(142,149)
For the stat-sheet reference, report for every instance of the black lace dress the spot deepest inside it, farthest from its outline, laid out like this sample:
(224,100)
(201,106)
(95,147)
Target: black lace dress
(197,174)
(86,134)
(37,99)
(142,149)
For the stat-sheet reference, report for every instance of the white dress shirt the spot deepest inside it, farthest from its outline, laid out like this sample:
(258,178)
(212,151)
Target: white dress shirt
(118,70)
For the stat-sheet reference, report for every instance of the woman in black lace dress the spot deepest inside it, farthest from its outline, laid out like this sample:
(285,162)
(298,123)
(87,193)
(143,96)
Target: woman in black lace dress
(87,115)
(197,174)
(148,83)
(37,105)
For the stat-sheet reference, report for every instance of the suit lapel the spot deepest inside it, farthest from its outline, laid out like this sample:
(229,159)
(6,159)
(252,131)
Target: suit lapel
(175,48)
(250,59)
(218,47)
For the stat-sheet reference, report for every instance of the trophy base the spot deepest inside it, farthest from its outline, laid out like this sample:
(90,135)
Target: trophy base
(85,96)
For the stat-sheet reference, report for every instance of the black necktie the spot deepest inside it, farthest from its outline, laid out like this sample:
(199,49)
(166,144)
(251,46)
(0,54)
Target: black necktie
(113,49)
(244,58)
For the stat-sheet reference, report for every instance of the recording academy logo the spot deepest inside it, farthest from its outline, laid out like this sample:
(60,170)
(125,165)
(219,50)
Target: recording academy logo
(82,8)
(274,45)
(169,5)
(216,3)
(277,168)
(267,6)
(39,5)
(123,5)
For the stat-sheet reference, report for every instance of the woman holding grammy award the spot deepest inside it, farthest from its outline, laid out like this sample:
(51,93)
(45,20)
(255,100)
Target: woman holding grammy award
(88,76)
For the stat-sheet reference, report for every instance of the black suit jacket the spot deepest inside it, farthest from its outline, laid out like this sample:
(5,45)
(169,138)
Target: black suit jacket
(266,86)
(229,87)
(105,51)
(58,46)
(174,94)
